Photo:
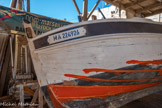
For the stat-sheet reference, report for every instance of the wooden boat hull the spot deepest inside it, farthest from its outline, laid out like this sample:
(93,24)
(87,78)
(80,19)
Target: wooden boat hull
(109,58)
(107,53)
(60,94)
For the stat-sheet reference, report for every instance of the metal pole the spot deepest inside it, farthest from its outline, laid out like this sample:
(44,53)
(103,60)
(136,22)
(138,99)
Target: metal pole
(101,13)
(85,9)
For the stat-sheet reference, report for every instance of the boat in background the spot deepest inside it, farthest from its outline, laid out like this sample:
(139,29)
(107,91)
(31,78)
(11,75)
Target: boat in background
(13,18)
(98,63)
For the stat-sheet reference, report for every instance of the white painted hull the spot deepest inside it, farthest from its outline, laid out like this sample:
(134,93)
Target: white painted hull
(107,51)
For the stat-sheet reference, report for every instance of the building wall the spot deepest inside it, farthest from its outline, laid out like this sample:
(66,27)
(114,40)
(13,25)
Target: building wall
(109,12)
(157,18)
(113,12)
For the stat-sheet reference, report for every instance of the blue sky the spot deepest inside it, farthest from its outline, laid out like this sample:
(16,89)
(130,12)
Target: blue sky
(60,9)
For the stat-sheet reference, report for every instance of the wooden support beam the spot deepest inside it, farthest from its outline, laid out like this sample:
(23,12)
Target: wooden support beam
(153,13)
(19,5)
(22,95)
(4,69)
(148,7)
(28,5)
(3,42)
(16,54)
(35,97)
(94,8)
(76,6)
(13,3)
(5,98)
(40,98)
(85,10)
(119,9)
(133,3)
(29,91)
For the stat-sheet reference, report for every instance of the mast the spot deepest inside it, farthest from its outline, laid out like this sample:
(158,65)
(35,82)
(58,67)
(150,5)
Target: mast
(19,5)
(85,16)
(13,3)
(85,10)
(28,5)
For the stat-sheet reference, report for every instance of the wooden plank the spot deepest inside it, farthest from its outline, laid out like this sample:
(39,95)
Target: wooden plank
(35,97)
(16,54)
(40,99)
(35,58)
(5,98)
(149,7)
(133,3)
(3,47)
(153,13)
(29,91)
(4,70)
(22,95)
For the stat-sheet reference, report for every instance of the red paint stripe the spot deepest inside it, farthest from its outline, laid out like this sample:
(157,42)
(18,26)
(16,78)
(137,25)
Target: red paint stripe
(7,16)
(68,93)
(154,62)
(106,80)
(12,10)
(56,102)
(120,71)
(160,73)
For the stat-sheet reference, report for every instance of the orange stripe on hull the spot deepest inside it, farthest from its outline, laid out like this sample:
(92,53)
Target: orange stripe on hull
(85,78)
(55,101)
(69,93)
(120,71)
(160,73)
(154,62)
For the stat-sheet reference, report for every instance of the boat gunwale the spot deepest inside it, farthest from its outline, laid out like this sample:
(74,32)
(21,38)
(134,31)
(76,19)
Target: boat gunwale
(138,20)
(94,38)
